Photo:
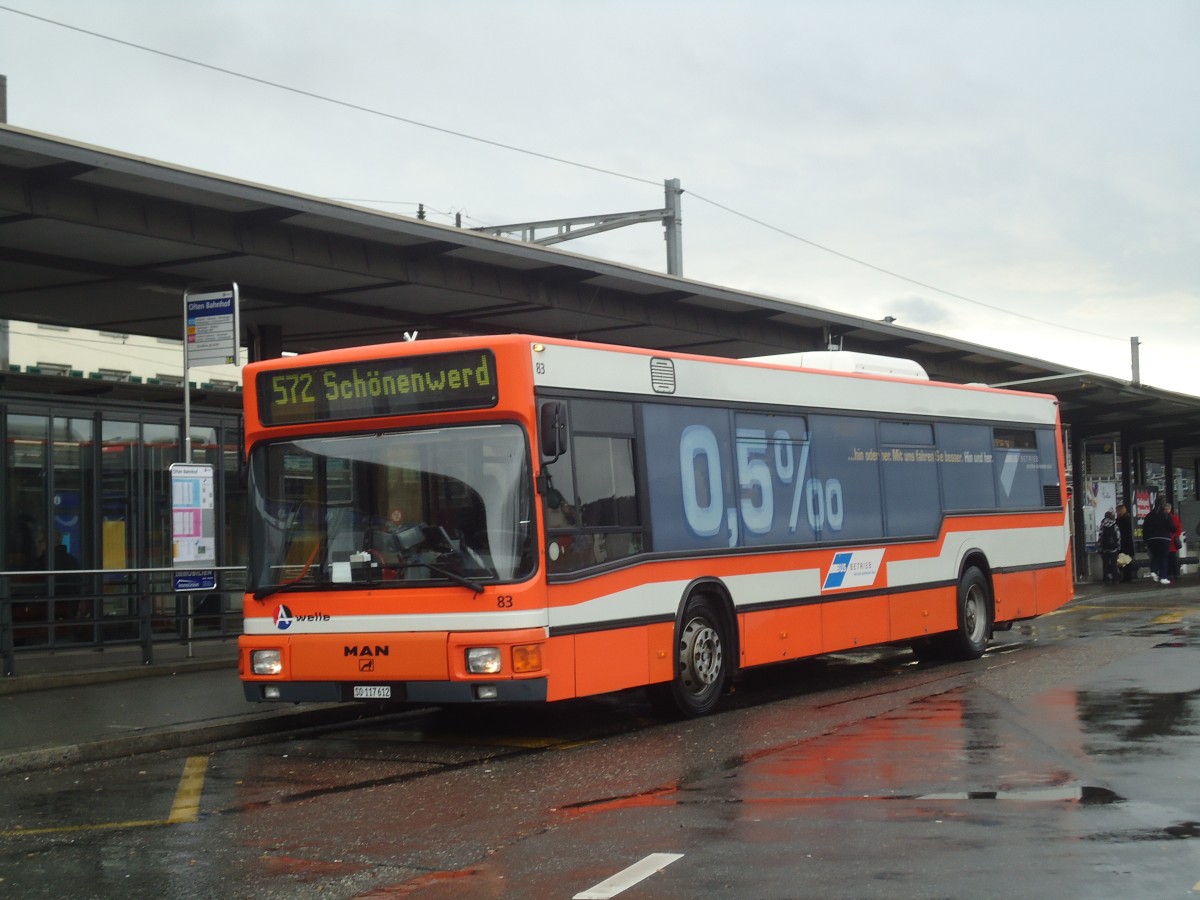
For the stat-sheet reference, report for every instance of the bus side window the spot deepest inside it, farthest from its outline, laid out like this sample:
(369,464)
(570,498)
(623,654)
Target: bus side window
(603,524)
(590,496)
(911,495)
(607,494)
(1048,455)
(965,465)
(1018,467)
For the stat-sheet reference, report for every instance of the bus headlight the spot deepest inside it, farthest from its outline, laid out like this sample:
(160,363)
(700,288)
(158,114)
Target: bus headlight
(483,660)
(266,662)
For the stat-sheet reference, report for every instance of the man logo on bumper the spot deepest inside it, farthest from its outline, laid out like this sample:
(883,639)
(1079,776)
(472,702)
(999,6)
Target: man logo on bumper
(853,568)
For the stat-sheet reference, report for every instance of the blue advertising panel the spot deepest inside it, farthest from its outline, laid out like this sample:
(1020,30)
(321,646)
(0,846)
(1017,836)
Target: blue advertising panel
(690,477)
(843,490)
(722,479)
(755,479)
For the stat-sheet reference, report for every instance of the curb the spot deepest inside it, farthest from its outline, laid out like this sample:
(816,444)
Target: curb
(180,736)
(49,681)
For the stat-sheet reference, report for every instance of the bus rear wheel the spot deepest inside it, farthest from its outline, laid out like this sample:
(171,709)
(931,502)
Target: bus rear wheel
(701,661)
(970,639)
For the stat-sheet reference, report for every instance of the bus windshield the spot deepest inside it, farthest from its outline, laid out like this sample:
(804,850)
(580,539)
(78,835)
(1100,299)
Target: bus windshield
(402,509)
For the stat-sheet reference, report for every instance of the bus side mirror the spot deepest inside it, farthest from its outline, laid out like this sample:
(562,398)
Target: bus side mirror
(552,430)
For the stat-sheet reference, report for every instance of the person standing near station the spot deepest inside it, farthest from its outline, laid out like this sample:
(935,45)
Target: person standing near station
(1156,531)
(1125,529)
(1109,541)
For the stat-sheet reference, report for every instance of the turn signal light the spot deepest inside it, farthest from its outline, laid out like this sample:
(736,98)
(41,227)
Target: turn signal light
(526,658)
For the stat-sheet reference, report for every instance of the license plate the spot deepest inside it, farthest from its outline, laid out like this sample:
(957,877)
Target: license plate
(372,692)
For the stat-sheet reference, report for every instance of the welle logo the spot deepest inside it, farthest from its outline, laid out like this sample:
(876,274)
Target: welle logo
(285,619)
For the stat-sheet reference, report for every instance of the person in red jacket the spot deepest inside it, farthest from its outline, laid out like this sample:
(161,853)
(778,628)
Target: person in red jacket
(1176,540)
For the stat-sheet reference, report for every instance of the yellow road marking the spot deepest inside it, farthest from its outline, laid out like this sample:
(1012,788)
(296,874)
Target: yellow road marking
(1089,607)
(68,829)
(185,808)
(1171,615)
(1169,619)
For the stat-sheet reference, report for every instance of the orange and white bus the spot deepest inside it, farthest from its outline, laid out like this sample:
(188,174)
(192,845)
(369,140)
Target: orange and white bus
(525,519)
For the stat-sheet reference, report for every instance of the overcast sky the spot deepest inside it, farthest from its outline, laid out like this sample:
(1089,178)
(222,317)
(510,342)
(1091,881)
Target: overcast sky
(1022,175)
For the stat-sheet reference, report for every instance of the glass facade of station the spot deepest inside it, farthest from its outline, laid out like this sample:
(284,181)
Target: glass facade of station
(86,543)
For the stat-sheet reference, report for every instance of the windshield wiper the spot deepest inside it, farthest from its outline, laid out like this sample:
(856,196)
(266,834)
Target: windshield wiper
(448,573)
(266,591)
(263,593)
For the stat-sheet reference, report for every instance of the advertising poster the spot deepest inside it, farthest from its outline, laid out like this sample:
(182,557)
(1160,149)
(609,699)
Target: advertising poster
(1101,498)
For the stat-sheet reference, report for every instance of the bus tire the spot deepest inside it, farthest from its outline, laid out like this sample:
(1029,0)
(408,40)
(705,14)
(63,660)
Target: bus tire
(928,648)
(970,639)
(702,651)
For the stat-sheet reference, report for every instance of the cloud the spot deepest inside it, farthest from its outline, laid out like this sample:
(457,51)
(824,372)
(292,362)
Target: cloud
(915,311)
(1036,158)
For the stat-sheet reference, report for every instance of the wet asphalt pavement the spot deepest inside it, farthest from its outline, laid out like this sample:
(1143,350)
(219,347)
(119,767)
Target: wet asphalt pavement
(88,706)
(1062,764)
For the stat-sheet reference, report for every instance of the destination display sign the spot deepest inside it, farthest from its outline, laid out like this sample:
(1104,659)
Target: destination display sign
(375,388)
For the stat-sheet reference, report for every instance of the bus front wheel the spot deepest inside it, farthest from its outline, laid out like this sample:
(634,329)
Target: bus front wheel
(701,661)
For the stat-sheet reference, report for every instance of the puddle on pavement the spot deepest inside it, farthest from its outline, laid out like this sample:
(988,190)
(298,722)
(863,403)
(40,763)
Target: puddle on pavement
(950,747)
(1180,831)
(963,746)
(1085,794)
(1178,637)
(1174,637)
(1126,721)
(1172,622)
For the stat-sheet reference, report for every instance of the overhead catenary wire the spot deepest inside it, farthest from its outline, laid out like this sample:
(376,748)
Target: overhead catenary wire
(323,97)
(892,274)
(346,104)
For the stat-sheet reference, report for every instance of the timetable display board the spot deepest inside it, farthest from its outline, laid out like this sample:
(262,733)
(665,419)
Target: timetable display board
(193,526)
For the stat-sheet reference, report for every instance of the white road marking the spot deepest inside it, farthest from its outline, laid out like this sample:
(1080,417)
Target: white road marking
(627,878)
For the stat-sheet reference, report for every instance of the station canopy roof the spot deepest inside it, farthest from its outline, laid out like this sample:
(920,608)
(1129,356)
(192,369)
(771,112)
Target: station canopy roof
(98,239)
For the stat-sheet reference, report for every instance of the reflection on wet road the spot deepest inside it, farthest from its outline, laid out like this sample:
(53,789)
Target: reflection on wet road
(1064,763)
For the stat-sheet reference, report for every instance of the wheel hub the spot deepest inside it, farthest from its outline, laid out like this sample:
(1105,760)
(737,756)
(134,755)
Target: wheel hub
(702,655)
